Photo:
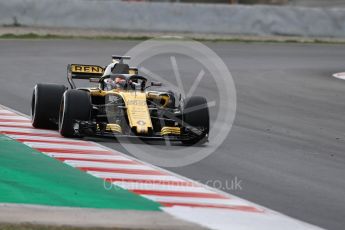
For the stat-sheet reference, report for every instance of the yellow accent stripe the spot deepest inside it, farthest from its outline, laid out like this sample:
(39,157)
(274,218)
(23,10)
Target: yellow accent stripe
(170,130)
(114,128)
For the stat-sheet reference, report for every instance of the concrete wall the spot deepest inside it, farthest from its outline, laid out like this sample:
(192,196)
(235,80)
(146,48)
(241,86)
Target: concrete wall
(175,17)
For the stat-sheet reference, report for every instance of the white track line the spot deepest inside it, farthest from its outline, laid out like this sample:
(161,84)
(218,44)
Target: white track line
(81,154)
(62,146)
(90,164)
(9,123)
(27,130)
(89,156)
(18,118)
(191,200)
(5,111)
(123,176)
(161,187)
(36,138)
(339,75)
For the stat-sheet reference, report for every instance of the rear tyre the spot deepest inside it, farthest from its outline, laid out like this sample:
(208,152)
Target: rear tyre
(75,105)
(45,105)
(196,120)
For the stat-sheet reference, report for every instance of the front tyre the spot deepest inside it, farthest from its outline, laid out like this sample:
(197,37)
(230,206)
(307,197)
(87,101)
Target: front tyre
(75,106)
(45,105)
(196,121)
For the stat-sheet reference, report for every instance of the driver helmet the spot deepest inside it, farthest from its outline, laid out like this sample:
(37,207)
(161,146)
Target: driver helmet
(109,84)
(120,82)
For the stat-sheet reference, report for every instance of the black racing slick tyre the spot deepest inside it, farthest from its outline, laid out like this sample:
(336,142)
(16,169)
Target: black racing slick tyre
(45,104)
(196,120)
(75,106)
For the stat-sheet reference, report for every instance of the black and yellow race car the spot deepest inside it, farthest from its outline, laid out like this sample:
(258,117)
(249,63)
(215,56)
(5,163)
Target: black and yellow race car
(122,104)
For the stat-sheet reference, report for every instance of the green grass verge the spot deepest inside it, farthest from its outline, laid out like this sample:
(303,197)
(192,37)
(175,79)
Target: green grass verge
(31,177)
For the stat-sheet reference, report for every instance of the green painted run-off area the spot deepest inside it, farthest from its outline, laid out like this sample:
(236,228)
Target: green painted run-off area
(30,177)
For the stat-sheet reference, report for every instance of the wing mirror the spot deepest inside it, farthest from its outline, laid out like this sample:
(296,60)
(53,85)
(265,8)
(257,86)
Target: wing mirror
(154,83)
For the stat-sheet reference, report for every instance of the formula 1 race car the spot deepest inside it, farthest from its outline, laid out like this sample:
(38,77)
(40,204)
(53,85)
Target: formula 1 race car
(123,104)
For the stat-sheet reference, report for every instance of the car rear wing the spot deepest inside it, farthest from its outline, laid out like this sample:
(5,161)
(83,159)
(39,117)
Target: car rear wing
(80,71)
(90,72)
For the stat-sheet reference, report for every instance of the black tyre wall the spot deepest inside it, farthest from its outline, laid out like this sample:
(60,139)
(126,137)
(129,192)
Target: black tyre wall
(45,105)
(75,105)
(196,114)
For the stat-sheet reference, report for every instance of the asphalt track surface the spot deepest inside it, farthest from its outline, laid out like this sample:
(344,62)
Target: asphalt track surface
(287,142)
